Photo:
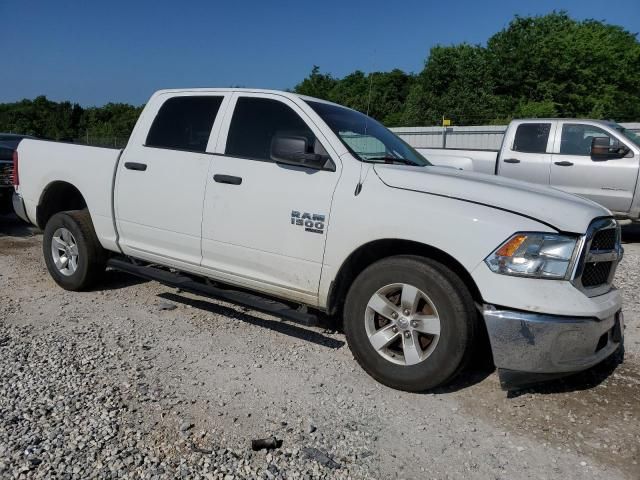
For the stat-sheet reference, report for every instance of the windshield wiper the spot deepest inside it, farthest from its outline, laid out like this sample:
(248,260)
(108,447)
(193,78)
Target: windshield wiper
(389,159)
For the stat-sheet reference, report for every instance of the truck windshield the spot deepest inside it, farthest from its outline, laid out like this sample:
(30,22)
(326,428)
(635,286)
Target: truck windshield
(632,136)
(366,138)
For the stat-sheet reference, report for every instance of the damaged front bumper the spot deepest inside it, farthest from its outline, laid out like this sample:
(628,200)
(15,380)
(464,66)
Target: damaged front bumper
(532,347)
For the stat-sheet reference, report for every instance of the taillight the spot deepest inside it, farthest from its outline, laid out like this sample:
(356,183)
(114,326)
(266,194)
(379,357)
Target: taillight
(16,177)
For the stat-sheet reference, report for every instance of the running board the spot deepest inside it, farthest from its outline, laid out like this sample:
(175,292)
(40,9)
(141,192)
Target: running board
(188,284)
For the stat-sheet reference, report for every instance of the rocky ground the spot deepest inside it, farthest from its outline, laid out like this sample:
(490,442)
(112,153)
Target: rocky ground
(137,380)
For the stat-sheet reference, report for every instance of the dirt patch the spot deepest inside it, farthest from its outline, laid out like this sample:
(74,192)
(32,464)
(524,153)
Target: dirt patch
(594,414)
(10,245)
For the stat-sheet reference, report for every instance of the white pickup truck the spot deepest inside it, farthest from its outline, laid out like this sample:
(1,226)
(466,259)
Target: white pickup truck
(596,159)
(253,195)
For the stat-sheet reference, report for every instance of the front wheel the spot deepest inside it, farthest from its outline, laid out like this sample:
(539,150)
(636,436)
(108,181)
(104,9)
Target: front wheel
(410,322)
(74,257)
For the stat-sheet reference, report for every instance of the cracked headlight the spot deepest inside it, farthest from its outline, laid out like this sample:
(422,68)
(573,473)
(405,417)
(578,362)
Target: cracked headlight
(537,255)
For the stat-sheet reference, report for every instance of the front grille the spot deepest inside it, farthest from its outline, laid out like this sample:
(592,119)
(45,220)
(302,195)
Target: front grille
(599,257)
(6,174)
(604,240)
(595,274)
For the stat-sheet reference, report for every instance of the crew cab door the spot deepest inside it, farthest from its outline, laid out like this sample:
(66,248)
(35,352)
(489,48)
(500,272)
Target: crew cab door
(609,182)
(265,224)
(161,178)
(525,153)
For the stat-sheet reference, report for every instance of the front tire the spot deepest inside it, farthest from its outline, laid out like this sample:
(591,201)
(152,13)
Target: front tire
(410,322)
(73,255)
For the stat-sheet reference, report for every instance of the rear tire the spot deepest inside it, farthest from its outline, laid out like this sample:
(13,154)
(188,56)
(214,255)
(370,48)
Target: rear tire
(415,294)
(73,255)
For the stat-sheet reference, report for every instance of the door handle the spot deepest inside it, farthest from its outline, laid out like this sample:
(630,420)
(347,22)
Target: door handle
(564,163)
(141,167)
(511,160)
(230,179)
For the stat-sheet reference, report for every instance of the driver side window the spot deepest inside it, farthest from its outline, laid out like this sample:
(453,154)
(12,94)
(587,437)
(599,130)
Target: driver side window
(576,138)
(256,121)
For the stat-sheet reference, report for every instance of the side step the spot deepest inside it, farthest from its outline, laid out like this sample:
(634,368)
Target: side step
(188,284)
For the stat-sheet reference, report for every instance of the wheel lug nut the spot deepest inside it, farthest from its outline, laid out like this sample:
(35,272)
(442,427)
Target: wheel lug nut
(414,324)
(406,311)
(407,334)
(394,329)
(394,315)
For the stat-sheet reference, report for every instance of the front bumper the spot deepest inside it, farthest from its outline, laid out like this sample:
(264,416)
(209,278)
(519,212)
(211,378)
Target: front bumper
(548,345)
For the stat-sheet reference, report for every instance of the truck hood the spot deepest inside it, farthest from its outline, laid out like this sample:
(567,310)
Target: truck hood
(563,211)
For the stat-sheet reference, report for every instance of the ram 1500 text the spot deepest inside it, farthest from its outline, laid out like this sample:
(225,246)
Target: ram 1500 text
(232,191)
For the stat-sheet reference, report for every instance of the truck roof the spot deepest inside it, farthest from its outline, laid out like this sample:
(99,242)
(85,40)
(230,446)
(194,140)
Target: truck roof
(244,90)
(594,120)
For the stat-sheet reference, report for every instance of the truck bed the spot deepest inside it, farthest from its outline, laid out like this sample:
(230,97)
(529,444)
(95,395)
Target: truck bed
(90,169)
(483,161)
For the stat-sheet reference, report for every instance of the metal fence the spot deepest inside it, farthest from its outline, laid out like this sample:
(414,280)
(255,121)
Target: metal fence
(484,137)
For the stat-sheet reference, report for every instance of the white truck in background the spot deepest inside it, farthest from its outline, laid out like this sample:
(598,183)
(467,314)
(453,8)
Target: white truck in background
(252,195)
(596,159)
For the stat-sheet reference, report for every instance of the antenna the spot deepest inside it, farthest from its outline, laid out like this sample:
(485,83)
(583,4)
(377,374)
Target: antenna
(373,67)
(366,118)
(369,96)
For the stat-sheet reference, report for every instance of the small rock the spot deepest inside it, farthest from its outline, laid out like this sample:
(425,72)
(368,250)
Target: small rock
(166,306)
(185,426)
(320,457)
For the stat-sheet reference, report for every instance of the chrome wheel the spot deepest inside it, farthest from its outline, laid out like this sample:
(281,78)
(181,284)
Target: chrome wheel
(64,251)
(402,324)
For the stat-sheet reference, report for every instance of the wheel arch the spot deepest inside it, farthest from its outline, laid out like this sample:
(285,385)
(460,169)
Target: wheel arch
(376,250)
(58,196)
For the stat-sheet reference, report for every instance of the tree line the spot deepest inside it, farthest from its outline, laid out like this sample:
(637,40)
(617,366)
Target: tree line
(542,66)
(109,125)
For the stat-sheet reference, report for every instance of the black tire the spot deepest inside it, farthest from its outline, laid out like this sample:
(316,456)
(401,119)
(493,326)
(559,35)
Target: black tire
(456,309)
(91,256)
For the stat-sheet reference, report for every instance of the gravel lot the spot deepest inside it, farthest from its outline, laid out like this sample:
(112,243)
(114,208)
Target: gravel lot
(137,380)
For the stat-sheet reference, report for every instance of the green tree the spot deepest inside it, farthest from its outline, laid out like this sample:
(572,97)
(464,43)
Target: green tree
(456,83)
(112,122)
(382,94)
(109,125)
(573,68)
(316,85)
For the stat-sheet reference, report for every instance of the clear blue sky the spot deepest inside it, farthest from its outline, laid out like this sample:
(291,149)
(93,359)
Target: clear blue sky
(99,51)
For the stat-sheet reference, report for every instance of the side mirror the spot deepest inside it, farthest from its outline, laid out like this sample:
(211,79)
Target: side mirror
(293,150)
(602,150)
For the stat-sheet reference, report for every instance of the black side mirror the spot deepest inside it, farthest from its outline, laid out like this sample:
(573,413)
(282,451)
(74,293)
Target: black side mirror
(601,149)
(293,150)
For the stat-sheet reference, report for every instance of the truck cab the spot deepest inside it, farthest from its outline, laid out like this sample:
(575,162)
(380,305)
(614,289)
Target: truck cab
(596,159)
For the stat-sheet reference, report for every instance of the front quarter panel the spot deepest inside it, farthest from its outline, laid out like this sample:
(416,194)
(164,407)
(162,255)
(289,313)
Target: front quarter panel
(467,231)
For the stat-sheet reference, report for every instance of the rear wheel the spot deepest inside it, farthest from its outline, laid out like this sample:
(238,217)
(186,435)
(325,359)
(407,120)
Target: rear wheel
(410,322)
(74,257)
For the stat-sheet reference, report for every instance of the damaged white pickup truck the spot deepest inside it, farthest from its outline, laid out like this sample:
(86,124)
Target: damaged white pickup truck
(252,195)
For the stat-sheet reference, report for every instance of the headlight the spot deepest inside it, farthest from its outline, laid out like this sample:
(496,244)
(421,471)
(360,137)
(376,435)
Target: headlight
(538,255)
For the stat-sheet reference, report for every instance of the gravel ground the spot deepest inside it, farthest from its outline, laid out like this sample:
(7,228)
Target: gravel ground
(137,380)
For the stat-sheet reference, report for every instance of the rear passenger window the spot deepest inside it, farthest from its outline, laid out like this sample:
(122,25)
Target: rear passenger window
(532,137)
(256,121)
(184,123)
